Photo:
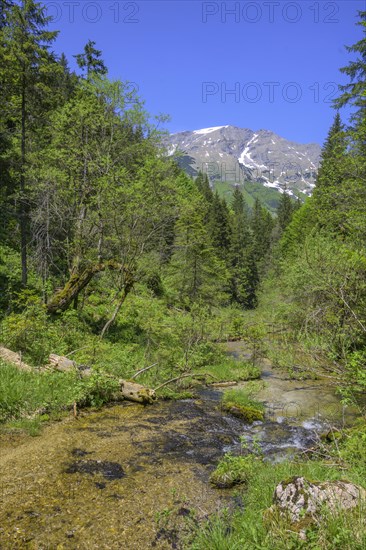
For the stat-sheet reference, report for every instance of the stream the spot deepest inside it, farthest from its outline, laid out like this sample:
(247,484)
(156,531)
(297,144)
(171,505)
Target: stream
(129,477)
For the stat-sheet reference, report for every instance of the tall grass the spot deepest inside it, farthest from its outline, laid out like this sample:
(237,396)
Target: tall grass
(24,394)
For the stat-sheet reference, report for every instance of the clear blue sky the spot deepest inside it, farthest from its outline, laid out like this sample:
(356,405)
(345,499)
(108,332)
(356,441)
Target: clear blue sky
(280,59)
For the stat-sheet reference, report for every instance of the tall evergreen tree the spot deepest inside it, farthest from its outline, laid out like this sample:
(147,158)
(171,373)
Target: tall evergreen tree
(27,70)
(244,276)
(331,171)
(220,227)
(195,270)
(261,225)
(90,60)
(67,80)
(343,170)
(354,93)
(285,210)
(203,185)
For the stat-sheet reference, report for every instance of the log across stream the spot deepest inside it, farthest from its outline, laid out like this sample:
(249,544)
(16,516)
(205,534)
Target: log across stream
(128,476)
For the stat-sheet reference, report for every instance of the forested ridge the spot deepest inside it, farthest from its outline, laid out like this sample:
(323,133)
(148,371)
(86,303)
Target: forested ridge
(114,257)
(93,211)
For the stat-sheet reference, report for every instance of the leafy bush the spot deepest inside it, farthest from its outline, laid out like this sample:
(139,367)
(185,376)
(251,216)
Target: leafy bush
(233,470)
(30,330)
(327,285)
(95,390)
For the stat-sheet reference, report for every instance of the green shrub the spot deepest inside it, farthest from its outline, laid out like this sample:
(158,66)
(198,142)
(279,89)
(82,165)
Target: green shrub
(95,390)
(232,470)
(36,335)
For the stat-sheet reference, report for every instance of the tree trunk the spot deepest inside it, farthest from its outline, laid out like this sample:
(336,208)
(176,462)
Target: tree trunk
(78,281)
(23,202)
(110,322)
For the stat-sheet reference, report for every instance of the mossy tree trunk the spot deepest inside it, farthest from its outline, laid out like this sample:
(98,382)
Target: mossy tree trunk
(78,281)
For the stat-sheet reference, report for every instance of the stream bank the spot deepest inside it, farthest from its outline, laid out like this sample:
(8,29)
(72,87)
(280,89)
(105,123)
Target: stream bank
(137,477)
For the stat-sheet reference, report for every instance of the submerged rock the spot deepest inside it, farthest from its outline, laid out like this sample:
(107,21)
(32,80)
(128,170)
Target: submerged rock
(299,499)
(109,470)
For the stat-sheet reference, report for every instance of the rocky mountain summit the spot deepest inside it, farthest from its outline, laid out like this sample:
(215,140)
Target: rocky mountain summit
(238,155)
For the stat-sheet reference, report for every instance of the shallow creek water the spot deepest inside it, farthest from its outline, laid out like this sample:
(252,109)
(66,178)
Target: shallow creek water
(297,411)
(115,478)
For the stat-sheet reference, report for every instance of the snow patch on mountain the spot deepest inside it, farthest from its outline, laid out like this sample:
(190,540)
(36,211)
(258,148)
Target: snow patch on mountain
(172,149)
(245,156)
(204,131)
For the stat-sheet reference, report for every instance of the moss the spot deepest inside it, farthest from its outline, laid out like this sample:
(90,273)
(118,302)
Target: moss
(332,436)
(238,403)
(246,412)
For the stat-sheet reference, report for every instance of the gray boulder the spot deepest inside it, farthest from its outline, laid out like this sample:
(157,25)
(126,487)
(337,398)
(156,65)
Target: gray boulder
(298,498)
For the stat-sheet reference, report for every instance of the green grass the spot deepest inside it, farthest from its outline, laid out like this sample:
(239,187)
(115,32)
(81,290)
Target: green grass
(28,394)
(32,426)
(24,393)
(232,370)
(240,403)
(251,528)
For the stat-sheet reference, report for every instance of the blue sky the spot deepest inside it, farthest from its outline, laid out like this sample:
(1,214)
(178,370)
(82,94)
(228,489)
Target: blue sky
(253,64)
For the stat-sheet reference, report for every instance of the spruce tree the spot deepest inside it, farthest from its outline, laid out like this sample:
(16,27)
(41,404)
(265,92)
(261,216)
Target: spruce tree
(354,93)
(27,68)
(203,185)
(220,227)
(67,80)
(90,60)
(331,170)
(244,276)
(285,210)
(261,225)
(195,271)
(341,191)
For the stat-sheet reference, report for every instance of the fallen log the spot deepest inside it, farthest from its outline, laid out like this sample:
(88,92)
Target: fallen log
(135,392)
(130,390)
(201,376)
(14,359)
(223,384)
(61,363)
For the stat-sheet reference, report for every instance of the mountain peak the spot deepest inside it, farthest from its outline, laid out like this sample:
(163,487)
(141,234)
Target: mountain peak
(237,155)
